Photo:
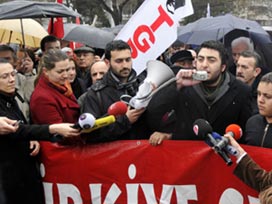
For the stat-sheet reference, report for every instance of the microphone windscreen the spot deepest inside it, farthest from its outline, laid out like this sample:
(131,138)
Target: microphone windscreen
(117,108)
(86,120)
(202,128)
(236,130)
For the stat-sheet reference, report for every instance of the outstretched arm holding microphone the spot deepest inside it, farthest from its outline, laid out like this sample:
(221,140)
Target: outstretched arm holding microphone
(251,173)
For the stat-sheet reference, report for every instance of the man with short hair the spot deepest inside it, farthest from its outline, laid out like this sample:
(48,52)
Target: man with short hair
(238,46)
(85,57)
(221,99)
(258,129)
(50,42)
(98,70)
(248,67)
(248,70)
(121,79)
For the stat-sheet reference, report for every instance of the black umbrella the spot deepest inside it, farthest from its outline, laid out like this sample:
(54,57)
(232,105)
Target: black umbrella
(88,35)
(32,9)
(215,28)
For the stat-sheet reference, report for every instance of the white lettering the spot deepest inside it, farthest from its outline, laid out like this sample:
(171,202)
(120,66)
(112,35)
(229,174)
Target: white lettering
(185,193)
(231,195)
(253,200)
(111,196)
(69,191)
(48,192)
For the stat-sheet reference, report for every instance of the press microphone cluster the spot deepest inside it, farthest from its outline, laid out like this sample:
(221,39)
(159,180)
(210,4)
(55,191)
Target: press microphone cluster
(220,144)
(88,123)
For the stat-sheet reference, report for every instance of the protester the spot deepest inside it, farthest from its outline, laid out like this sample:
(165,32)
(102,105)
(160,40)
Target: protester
(175,47)
(238,46)
(221,99)
(50,42)
(69,52)
(22,97)
(85,57)
(248,70)
(119,80)
(258,128)
(194,54)
(182,59)
(77,84)
(252,174)
(20,180)
(25,65)
(53,94)
(97,71)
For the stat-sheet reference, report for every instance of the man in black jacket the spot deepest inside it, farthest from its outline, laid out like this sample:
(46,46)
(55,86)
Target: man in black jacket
(258,128)
(120,80)
(221,99)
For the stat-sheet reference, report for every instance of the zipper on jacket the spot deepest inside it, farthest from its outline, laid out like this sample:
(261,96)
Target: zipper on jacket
(264,135)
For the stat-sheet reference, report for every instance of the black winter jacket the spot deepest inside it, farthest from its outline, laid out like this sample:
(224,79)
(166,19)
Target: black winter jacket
(258,132)
(20,181)
(103,94)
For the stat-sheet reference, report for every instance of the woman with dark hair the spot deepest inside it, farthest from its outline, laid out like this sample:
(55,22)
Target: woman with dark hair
(19,178)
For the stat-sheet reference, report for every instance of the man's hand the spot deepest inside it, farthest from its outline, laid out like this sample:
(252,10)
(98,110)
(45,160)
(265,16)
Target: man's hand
(157,137)
(134,114)
(185,78)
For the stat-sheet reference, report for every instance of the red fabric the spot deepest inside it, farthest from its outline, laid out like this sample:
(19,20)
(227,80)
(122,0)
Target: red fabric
(110,172)
(48,105)
(57,29)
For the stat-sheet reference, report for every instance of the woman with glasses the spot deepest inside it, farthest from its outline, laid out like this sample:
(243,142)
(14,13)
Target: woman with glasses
(19,178)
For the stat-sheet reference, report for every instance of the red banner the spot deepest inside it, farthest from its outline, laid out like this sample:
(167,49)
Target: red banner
(134,172)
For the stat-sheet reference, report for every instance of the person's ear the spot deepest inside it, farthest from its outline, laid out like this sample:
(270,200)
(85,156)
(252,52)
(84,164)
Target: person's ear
(45,71)
(107,62)
(223,67)
(257,71)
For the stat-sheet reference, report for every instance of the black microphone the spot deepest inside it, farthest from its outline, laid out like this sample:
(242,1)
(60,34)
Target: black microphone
(203,129)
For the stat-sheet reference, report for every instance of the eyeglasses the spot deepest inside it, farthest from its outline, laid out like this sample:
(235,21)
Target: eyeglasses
(6,75)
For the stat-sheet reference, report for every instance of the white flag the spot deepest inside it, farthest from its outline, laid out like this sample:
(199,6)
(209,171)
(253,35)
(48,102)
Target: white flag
(153,28)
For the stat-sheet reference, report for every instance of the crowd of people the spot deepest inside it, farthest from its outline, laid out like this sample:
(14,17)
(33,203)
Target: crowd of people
(42,97)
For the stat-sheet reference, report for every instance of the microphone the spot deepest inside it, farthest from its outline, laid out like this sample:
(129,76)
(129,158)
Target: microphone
(85,121)
(117,108)
(223,143)
(203,129)
(99,123)
(89,124)
(235,131)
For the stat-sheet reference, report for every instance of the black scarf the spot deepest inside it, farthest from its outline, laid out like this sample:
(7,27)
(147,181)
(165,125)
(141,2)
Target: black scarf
(211,95)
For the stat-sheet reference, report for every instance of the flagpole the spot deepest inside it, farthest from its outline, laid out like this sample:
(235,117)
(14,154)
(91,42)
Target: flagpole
(208,14)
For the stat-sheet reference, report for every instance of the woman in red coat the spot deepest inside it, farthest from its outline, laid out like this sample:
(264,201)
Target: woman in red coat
(53,100)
